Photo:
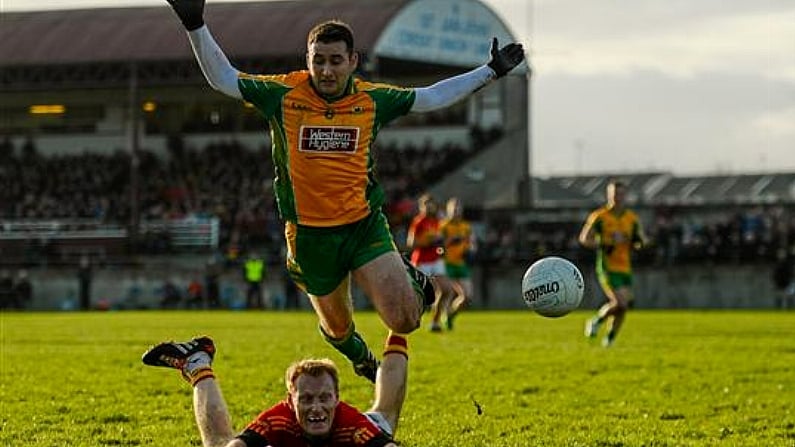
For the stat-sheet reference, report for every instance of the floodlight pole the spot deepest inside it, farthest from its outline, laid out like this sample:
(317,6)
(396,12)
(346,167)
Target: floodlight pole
(527,190)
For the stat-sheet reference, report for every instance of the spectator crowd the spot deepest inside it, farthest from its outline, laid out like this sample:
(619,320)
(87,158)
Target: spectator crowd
(232,183)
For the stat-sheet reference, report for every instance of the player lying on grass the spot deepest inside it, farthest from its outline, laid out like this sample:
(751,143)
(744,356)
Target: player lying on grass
(311,414)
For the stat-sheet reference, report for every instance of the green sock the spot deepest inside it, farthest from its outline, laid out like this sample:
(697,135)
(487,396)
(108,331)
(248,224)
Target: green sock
(351,346)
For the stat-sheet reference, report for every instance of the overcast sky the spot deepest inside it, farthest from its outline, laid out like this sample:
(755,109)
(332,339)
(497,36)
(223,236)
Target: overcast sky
(686,86)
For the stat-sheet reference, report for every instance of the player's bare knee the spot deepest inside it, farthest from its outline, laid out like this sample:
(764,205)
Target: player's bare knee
(402,320)
(404,325)
(336,331)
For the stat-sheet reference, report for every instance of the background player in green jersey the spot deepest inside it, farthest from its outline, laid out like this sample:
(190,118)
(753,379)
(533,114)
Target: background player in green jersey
(459,245)
(614,231)
(323,122)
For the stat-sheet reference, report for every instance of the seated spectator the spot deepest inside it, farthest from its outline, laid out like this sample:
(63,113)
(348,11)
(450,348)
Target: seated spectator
(23,290)
(6,290)
(195,295)
(171,296)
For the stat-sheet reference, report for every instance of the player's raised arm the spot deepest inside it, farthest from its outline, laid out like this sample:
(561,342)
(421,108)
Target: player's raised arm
(217,69)
(587,237)
(451,90)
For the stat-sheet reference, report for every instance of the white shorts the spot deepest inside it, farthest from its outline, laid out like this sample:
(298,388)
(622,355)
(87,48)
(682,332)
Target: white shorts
(434,268)
(380,421)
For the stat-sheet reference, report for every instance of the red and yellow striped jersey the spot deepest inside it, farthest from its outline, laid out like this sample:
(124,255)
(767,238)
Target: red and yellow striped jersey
(425,231)
(278,426)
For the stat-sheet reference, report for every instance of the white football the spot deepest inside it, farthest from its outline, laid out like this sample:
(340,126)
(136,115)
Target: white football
(552,286)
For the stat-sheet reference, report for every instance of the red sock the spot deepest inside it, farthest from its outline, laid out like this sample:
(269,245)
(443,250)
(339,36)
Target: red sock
(398,344)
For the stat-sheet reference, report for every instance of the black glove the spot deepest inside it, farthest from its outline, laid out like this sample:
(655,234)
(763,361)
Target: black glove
(189,12)
(505,59)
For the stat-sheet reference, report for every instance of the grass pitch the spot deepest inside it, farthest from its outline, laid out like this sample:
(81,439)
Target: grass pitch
(674,378)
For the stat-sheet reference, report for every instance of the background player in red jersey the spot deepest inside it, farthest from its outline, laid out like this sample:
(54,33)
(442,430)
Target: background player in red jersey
(424,239)
(312,413)
(427,251)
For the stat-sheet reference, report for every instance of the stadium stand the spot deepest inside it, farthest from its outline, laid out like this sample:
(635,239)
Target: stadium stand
(203,168)
(218,195)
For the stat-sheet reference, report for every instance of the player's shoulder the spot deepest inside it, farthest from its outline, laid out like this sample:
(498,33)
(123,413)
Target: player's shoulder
(633,215)
(278,411)
(348,417)
(291,79)
(417,219)
(276,419)
(463,224)
(599,212)
(347,414)
(369,86)
(455,224)
(346,408)
(429,221)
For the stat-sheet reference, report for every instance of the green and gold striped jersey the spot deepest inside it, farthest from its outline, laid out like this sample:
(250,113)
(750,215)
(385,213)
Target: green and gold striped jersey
(615,234)
(322,150)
